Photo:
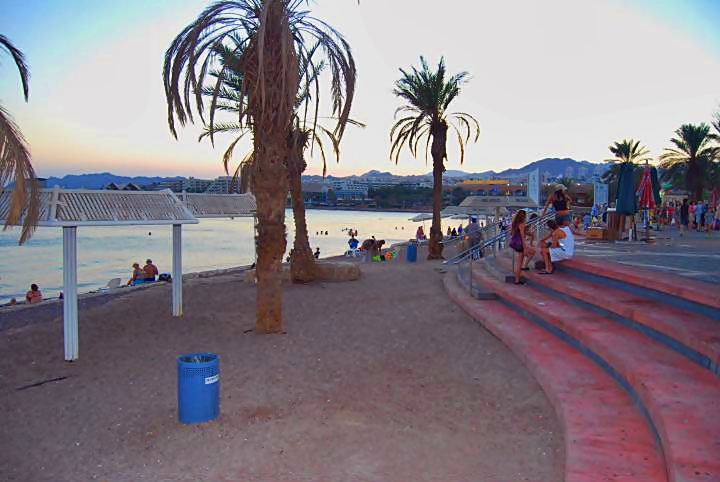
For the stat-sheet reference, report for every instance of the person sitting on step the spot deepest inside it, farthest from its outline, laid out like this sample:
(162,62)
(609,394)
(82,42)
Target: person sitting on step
(552,246)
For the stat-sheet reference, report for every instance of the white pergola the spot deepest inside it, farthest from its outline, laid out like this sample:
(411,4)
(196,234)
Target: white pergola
(72,208)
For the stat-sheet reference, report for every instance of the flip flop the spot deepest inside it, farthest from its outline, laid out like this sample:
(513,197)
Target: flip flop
(545,272)
(524,269)
(521,282)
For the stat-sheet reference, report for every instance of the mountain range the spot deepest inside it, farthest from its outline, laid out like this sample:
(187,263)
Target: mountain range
(100,179)
(553,167)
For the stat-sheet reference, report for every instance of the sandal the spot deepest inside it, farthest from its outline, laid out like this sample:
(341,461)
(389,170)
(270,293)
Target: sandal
(545,272)
(521,282)
(525,269)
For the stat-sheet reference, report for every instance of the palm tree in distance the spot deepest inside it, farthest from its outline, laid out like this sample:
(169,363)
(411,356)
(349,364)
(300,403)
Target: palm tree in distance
(273,38)
(693,158)
(303,134)
(428,95)
(15,162)
(627,150)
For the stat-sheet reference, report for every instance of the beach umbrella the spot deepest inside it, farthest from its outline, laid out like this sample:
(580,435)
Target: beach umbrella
(421,217)
(645,193)
(655,185)
(626,202)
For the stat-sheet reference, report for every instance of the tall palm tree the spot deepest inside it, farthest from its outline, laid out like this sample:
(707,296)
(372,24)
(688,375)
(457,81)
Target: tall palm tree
(303,134)
(15,162)
(693,158)
(273,38)
(425,117)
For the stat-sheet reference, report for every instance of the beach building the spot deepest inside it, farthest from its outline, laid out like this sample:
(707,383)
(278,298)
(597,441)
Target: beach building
(315,192)
(193,184)
(223,185)
(349,190)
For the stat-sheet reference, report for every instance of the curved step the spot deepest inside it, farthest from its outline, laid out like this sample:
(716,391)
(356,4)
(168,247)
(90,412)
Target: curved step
(693,290)
(682,399)
(693,335)
(606,436)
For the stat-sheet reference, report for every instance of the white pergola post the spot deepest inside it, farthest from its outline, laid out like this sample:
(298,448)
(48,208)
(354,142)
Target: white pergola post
(177,271)
(70,297)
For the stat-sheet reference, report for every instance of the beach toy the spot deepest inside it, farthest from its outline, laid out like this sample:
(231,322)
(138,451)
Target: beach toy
(198,387)
(388,256)
(376,258)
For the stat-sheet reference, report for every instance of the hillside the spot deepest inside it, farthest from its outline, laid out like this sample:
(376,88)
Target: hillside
(98,180)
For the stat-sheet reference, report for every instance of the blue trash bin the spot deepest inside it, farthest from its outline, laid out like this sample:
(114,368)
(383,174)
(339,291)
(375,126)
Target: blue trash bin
(412,252)
(198,387)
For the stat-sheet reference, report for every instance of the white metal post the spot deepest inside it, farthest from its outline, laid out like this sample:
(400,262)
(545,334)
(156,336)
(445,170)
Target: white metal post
(70,302)
(177,271)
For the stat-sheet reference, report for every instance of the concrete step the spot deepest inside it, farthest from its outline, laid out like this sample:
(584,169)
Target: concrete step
(695,336)
(606,436)
(680,398)
(691,290)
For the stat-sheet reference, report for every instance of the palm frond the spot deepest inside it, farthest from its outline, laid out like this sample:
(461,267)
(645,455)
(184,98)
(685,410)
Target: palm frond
(19,59)
(428,94)
(16,167)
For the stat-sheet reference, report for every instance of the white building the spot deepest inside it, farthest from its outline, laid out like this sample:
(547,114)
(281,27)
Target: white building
(350,189)
(223,185)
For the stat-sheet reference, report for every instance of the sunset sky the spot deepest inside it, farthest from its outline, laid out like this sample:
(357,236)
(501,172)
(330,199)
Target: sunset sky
(551,78)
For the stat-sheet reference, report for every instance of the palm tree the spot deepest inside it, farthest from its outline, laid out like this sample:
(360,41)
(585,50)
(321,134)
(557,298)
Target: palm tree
(694,158)
(428,95)
(273,38)
(303,134)
(627,150)
(15,163)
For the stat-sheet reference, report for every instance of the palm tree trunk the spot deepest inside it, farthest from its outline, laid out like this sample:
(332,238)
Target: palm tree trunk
(435,247)
(693,181)
(270,182)
(302,262)
(275,73)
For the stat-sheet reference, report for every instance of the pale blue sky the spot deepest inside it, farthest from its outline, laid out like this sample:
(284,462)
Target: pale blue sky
(560,78)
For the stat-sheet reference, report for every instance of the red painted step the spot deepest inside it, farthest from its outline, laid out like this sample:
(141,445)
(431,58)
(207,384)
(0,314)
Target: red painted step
(682,398)
(606,436)
(693,290)
(694,331)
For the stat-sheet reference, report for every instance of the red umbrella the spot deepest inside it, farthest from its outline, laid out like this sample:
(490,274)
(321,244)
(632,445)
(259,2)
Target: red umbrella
(644,192)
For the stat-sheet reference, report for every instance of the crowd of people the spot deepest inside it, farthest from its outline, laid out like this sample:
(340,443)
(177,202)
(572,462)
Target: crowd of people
(688,216)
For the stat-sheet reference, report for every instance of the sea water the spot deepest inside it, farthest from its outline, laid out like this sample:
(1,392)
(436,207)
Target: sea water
(109,252)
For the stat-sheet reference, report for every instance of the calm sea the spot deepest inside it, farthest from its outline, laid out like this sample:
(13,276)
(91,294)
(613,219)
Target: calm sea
(108,252)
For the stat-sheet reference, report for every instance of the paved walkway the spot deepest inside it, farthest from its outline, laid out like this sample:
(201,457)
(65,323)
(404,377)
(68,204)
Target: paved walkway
(692,255)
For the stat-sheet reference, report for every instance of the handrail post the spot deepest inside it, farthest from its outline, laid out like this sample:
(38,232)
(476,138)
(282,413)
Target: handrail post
(470,284)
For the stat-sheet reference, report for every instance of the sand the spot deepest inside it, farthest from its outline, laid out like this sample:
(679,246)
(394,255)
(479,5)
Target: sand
(381,379)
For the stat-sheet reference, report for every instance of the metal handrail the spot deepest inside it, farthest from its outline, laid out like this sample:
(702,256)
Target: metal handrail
(460,237)
(474,251)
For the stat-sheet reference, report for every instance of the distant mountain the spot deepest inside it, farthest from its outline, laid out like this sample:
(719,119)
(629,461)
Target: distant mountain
(98,180)
(374,173)
(554,167)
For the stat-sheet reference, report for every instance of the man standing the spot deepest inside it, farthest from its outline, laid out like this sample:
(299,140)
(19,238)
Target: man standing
(684,216)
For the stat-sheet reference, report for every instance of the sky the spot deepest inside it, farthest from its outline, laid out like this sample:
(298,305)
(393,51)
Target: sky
(551,78)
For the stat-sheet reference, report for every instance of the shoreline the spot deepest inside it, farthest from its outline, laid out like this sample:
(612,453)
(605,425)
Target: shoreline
(365,209)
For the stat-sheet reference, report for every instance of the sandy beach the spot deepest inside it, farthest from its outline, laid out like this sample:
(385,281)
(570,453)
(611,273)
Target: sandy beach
(382,379)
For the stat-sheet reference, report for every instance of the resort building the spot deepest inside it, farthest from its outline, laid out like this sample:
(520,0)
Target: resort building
(350,189)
